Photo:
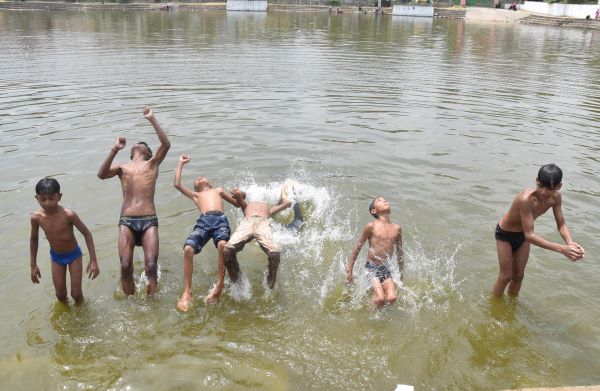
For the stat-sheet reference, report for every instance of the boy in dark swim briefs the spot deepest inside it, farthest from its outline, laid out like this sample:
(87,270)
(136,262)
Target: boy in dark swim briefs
(384,237)
(515,232)
(212,223)
(57,223)
(138,224)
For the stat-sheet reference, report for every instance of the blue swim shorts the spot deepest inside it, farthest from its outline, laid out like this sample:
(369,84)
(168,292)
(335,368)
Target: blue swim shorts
(211,224)
(67,258)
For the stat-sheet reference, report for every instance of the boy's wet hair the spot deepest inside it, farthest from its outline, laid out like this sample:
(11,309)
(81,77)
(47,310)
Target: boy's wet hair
(146,145)
(550,176)
(47,186)
(371,206)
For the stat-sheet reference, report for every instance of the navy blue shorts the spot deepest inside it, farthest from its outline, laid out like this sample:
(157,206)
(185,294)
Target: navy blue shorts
(209,225)
(380,271)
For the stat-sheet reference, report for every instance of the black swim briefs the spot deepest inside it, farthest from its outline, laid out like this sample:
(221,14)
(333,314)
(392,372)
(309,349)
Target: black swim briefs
(516,239)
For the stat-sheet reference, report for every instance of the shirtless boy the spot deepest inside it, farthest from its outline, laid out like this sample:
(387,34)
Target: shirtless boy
(256,225)
(57,223)
(138,224)
(212,223)
(383,238)
(514,232)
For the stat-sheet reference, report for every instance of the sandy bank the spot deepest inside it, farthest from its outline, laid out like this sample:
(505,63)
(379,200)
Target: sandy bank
(495,15)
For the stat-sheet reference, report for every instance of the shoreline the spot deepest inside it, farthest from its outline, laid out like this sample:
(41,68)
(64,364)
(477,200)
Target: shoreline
(469,14)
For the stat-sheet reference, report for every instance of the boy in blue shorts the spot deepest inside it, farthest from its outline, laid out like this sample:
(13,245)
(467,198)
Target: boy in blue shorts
(212,223)
(57,223)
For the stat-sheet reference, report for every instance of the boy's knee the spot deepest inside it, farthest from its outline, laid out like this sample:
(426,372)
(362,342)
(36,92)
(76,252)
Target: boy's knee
(391,298)
(274,256)
(189,250)
(379,301)
(228,251)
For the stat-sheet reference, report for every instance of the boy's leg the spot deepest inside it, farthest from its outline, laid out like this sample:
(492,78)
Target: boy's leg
(150,246)
(506,264)
(76,273)
(59,278)
(188,268)
(389,288)
(215,293)
(378,292)
(126,246)
(241,236)
(274,259)
(264,237)
(521,257)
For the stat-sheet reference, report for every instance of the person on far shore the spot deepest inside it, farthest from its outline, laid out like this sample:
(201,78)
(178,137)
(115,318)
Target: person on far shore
(57,223)
(384,237)
(515,231)
(138,224)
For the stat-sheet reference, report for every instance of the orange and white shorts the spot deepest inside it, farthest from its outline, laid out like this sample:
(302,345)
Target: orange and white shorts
(255,227)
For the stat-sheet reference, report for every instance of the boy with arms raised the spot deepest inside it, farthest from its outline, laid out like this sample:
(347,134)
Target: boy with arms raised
(256,225)
(515,231)
(384,237)
(212,223)
(57,223)
(138,224)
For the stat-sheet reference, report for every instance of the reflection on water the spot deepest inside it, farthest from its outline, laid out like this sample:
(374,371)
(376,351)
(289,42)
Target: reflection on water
(446,119)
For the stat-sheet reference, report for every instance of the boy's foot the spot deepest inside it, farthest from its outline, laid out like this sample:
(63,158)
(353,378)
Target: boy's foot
(184,302)
(213,296)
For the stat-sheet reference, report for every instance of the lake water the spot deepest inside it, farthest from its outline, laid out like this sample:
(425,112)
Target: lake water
(448,120)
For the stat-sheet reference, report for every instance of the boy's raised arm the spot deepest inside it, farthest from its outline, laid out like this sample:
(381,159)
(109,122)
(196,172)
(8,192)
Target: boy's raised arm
(92,268)
(106,170)
(165,144)
(184,159)
(33,248)
(355,251)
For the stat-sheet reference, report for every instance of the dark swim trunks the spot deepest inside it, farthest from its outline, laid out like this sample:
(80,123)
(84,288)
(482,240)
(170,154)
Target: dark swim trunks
(212,224)
(67,258)
(516,239)
(138,225)
(380,271)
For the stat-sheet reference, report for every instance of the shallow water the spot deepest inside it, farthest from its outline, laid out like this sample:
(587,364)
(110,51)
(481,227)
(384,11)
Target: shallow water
(446,119)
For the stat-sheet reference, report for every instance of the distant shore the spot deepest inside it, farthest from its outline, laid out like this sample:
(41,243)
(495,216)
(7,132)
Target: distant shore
(473,14)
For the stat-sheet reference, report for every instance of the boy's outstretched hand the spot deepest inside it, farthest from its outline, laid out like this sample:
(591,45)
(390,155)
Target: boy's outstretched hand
(573,251)
(35,274)
(183,159)
(92,269)
(148,114)
(120,143)
(213,296)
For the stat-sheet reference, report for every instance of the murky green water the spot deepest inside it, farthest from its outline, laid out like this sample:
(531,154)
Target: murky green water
(446,119)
